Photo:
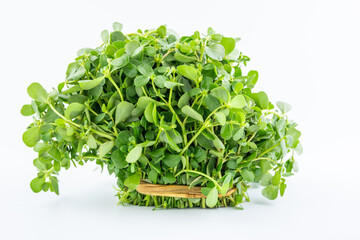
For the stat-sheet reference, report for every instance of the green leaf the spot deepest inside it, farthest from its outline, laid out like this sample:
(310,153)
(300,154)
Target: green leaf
(150,51)
(184,100)
(183,58)
(261,100)
(162,31)
(188,72)
(134,154)
(89,84)
(187,110)
(215,51)
(105,148)
(252,78)
(117,39)
(91,142)
(118,158)
(130,70)
(169,84)
(247,175)
(171,160)
(31,136)
(238,102)
(37,92)
(120,61)
(54,153)
(266,180)
(74,109)
(239,134)
(212,198)
(226,185)
(228,44)
(270,192)
(149,112)
(159,81)
(171,142)
(218,143)
(117,26)
(169,178)
(220,117)
(133,181)
(141,80)
(238,87)
(75,88)
(123,111)
(221,93)
(76,73)
(212,102)
(54,184)
(27,110)
(226,131)
(283,106)
(145,69)
(132,47)
(282,188)
(105,36)
(36,184)
(276,178)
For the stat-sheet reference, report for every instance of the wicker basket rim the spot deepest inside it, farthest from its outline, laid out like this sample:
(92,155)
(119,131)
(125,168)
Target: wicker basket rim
(179,191)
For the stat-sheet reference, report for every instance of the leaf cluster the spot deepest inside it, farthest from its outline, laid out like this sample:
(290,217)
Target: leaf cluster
(151,106)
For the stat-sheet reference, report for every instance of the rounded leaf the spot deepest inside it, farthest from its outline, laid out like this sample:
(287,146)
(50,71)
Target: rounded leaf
(37,92)
(134,154)
(36,184)
(188,72)
(31,136)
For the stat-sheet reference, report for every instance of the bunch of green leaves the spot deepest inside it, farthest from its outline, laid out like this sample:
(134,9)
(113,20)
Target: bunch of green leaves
(151,106)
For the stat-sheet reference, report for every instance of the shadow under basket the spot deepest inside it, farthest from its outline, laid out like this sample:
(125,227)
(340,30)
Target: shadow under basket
(176,191)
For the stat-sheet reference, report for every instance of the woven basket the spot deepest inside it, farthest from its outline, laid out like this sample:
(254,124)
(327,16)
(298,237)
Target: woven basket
(178,191)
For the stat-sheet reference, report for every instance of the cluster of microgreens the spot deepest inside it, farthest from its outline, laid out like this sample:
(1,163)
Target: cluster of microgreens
(153,107)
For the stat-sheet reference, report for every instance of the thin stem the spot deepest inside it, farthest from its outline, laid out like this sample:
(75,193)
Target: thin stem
(200,173)
(168,104)
(62,116)
(193,139)
(166,54)
(271,112)
(116,86)
(104,134)
(94,157)
(150,32)
(261,158)
(251,138)
(77,125)
(213,112)
(144,91)
(202,50)
(269,149)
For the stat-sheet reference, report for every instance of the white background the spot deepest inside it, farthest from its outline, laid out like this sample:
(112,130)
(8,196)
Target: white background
(307,54)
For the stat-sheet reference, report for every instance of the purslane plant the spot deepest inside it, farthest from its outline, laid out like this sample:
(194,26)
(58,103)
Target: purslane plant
(151,106)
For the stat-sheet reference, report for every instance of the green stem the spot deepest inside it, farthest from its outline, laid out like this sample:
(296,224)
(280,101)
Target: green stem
(168,52)
(116,86)
(94,157)
(200,173)
(261,158)
(202,50)
(193,139)
(271,112)
(269,149)
(77,125)
(62,116)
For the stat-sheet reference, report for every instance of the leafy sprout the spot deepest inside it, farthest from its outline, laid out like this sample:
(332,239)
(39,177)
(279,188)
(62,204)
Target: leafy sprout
(152,107)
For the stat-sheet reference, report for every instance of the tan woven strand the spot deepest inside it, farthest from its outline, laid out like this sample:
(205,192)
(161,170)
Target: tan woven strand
(180,191)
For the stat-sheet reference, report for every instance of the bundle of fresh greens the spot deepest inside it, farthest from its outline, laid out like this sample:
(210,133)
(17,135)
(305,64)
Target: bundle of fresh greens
(154,107)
